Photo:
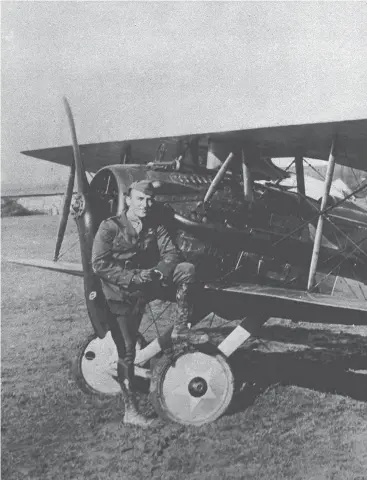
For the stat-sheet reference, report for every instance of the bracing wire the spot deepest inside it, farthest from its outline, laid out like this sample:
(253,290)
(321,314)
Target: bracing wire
(342,252)
(155,321)
(335,226)
(68,249)
(322,212)
(337,266)
(154,318)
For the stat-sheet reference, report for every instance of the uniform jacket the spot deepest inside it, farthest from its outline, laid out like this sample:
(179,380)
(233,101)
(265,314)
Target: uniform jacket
(119,252)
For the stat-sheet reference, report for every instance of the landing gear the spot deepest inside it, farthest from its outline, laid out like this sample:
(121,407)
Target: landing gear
(189,387)
(192,389)
(95,367)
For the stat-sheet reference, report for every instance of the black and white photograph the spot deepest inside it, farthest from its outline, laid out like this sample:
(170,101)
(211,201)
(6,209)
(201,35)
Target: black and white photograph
(183,240)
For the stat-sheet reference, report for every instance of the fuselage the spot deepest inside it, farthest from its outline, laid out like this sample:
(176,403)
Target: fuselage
(273,236)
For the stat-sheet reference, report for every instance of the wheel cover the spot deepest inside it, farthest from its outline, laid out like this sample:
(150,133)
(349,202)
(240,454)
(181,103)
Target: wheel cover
(99,364)
(197,389)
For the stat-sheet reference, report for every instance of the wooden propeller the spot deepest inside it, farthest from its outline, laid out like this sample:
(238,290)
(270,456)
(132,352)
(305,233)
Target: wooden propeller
(82,182)
(65,211)
(81,207)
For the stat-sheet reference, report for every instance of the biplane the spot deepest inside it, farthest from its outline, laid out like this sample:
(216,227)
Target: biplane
(262,249)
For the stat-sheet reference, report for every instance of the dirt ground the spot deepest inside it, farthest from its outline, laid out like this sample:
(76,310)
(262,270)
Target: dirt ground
(304,416)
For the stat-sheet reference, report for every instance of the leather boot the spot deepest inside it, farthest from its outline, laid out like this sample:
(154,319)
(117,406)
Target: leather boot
(126,379)
(181,330)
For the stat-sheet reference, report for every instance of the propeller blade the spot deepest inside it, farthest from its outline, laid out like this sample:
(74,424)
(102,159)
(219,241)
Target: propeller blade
(81,178)
(85,219)
(65,211)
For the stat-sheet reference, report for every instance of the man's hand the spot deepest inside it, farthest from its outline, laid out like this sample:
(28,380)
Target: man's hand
(144,276)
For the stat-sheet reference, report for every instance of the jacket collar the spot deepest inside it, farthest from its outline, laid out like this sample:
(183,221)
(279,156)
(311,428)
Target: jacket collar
(130,230)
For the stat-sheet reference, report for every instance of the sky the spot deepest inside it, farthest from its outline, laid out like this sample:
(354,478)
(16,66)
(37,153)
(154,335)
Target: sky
(142,69)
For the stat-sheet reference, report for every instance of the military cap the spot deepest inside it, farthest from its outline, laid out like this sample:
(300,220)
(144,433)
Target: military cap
(144,186)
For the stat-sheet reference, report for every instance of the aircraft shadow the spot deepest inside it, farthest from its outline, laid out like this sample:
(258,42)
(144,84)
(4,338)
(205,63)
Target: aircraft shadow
(320,360)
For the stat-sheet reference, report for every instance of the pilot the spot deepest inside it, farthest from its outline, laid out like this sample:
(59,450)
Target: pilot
(134,256)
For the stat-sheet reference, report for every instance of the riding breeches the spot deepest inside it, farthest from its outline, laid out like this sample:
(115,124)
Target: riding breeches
(128,313)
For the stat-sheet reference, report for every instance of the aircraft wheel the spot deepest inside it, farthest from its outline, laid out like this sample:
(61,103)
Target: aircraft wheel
(192,389)
(95,366)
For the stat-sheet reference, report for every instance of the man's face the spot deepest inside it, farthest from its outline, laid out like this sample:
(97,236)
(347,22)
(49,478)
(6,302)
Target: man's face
(139,203)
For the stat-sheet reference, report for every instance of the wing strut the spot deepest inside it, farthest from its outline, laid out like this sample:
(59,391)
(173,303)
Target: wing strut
(218,178)
(320,223)
(247,180)
(300,175)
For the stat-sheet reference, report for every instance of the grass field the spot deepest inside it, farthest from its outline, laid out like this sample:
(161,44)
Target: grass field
(305,417)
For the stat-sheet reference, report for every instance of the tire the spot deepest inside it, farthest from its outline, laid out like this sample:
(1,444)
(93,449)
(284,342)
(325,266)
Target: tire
(170,389)
(100,379)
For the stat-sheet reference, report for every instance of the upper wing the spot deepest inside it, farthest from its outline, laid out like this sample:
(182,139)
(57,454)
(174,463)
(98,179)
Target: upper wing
(299,305)
(98,155)
(309,140)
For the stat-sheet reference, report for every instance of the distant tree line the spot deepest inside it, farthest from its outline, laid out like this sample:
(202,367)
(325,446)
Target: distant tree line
(11,208)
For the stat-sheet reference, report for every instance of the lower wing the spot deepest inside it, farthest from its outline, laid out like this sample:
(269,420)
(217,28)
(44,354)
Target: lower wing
(62,267)
(297,305)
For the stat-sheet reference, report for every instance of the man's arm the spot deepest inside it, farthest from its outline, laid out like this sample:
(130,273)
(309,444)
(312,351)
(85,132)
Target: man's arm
(169,253)
(103,263)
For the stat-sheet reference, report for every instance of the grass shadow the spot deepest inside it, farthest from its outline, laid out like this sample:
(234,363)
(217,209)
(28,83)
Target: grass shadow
(327,362)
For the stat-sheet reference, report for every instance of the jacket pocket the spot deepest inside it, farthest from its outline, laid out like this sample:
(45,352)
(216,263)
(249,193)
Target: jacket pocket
(122,245)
